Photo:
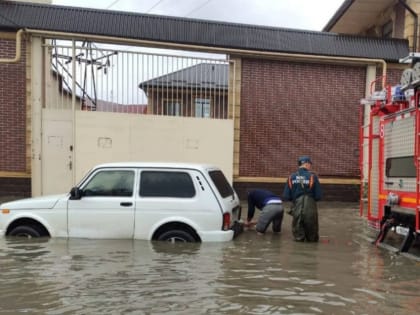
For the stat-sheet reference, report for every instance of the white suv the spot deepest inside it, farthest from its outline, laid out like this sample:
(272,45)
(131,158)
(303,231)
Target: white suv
(150,201)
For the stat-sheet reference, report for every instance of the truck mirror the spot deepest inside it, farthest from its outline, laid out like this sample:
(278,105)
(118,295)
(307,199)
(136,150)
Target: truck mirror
(75,193)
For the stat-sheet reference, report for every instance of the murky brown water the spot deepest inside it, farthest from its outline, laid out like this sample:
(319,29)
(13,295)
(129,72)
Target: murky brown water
(343,274)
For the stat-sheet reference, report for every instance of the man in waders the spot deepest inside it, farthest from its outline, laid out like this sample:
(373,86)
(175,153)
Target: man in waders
(271,208)
(303,189)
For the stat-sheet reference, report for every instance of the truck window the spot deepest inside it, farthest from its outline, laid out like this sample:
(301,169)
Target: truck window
(400,167)
(166,184)
(110,184)
(221,183)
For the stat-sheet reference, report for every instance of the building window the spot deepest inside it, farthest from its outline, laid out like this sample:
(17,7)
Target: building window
(172,108)
(202,107)
(387,29)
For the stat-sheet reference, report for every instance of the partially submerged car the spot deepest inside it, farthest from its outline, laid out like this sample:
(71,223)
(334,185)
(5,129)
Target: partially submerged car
(150,201)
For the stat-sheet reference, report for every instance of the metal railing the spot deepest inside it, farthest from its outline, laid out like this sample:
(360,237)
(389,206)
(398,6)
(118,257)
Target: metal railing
(135,80)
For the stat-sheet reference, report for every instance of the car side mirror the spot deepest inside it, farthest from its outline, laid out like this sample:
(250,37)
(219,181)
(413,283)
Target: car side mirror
(75,193)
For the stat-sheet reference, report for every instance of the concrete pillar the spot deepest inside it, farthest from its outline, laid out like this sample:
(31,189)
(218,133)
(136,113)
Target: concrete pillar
(235,70)
(36,113)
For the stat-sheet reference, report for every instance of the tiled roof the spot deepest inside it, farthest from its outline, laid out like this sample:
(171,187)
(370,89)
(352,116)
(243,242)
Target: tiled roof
(166,29)
(200,76)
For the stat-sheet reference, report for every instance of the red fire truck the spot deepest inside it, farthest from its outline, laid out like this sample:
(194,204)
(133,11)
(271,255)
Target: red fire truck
(390,159)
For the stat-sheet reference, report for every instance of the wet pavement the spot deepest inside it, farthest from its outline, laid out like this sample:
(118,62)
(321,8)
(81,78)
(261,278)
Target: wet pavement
(269,274)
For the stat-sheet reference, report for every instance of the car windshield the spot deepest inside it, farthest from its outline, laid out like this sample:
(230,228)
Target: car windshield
(221,183)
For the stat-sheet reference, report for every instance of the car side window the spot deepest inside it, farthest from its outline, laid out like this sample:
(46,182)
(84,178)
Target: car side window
(166,184)
(118,183)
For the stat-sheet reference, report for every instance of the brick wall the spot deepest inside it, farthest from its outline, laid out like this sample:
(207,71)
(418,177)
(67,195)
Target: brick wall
(330,192)
(290,109)
(13,122)
(12,188)
(12,110)
(393,76)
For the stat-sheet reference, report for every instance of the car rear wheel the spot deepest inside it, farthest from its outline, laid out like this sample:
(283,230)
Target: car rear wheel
(25,231)
(174,236)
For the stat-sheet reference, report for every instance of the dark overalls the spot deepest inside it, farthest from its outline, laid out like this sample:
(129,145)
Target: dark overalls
(303,189)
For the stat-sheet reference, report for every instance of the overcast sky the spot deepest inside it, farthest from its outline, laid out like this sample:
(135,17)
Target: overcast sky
(297,14)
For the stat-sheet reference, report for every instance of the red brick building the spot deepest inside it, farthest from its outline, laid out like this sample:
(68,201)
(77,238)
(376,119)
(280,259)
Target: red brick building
(14,162)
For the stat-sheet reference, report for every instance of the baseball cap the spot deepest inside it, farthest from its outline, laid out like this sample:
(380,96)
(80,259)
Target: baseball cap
(304,159)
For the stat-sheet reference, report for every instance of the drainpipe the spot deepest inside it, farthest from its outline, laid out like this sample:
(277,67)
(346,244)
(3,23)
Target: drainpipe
(18,49)
(416,23)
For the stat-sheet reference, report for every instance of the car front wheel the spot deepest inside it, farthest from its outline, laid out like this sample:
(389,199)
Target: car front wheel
(25,231)
(174,236)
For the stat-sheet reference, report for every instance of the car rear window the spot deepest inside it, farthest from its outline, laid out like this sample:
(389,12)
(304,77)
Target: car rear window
(221,183)
(166,184)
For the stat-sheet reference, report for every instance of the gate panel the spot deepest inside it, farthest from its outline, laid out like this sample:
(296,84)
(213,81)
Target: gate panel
(56,154)
(111,137)
(110,104)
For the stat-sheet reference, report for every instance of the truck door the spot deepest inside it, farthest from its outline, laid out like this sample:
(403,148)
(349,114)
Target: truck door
(106,209)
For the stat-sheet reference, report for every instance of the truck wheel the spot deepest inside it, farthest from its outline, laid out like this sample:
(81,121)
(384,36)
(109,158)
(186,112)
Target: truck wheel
(174,236)
(27,231)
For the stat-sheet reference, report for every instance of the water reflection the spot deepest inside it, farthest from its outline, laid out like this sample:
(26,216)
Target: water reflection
(343,274)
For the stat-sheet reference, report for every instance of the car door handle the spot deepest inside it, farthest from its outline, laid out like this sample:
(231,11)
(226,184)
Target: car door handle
(126,204)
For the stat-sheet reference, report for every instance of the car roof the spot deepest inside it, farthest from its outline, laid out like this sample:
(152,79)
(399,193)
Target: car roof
(200,166)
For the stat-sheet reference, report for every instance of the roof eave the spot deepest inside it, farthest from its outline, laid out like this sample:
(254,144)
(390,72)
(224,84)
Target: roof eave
(337,16)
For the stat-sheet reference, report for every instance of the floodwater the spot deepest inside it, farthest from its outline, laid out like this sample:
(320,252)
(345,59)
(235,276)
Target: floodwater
(269,274)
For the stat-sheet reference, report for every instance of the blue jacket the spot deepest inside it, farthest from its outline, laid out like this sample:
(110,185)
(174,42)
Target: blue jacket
(258,198)
(301,182)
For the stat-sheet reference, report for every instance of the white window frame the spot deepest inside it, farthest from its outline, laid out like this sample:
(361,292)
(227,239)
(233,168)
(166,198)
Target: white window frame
(172,107)
(202,107)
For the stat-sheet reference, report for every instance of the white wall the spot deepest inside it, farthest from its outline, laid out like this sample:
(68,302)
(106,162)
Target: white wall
(102,137)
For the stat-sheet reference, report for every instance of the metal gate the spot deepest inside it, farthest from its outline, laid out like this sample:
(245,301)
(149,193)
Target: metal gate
(106,103)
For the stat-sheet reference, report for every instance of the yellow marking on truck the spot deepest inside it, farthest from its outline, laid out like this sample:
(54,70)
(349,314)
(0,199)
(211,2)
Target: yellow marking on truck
(403,199)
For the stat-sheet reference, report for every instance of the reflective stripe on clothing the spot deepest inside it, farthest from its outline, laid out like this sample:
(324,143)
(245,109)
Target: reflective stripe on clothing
(273,201)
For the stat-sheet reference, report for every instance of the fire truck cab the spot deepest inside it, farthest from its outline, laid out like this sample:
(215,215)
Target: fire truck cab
(390,158)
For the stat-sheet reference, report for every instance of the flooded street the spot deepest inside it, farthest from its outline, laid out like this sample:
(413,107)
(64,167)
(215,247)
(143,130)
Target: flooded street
(270,274)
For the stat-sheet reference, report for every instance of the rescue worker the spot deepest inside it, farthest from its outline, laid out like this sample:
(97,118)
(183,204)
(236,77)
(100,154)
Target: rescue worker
(303,189)
(271,208)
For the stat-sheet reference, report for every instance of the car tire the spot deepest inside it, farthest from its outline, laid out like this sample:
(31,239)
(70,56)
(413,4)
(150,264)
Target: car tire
(27,231)
(175,236)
